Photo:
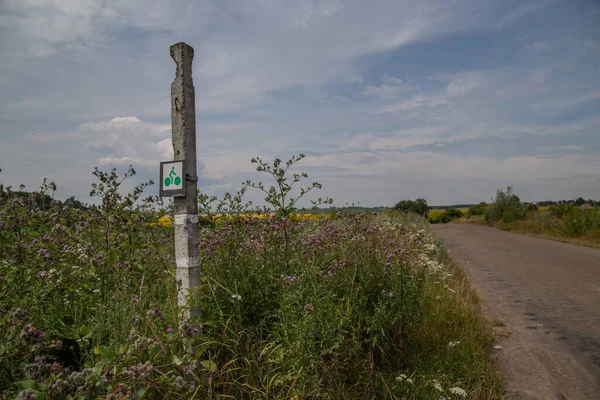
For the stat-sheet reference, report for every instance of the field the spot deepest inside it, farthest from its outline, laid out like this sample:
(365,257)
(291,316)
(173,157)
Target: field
(568,224)
(352,306)
(434,213)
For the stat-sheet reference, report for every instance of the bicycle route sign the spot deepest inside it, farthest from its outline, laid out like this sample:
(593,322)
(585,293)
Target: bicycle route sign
(172,179)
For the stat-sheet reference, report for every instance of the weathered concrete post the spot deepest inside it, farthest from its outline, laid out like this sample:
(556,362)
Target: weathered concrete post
(183,122)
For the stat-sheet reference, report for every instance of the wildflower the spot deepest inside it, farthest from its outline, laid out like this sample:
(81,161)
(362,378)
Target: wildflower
(404,378)
(100,256)
(27,394)
(126,264)
(178,382)
(458,391)
(309,307)
(453,343)
(288,278)
(169,330)
(20,314)
(31,335)
(43,253)
(236,297)
(437,385)
(42,274)
(155,313)
(134,299)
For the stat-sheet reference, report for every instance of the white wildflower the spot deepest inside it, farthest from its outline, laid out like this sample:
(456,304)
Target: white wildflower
(401,377)
(236,297)
(458,391)
(454,343)
(437,385)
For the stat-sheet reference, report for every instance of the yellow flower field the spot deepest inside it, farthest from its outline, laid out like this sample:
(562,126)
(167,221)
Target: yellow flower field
(167,220)
(437,212)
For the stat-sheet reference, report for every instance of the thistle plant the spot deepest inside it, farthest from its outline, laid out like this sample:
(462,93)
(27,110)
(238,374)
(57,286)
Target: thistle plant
(280,195)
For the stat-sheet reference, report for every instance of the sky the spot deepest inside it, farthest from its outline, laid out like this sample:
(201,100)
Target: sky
(448,100)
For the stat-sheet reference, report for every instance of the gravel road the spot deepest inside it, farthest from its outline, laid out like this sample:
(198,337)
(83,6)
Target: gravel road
(546,298)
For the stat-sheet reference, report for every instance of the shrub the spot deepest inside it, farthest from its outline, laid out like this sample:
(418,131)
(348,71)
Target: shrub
(478,209)
(579,221)
(506,207)
(447,216)
(530,207)
(418,207)
(454,213)
(559,211)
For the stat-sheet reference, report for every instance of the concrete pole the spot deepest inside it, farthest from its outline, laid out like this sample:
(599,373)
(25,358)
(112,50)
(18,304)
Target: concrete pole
(183,122)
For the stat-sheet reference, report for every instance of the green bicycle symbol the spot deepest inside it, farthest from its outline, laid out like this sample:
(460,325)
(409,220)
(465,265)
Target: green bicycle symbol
(172,178)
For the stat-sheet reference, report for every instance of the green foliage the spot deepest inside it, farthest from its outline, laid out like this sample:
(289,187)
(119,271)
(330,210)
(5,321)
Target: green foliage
(562,222)
(578,221)
(530,207)
(447,216)
(419,207)
(506,207)
(353,307)
(280,195)
(561,210)
(211,207)
(478,209)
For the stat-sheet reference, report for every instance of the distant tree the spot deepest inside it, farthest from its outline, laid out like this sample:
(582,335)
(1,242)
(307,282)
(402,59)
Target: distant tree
(561,210)
(454,213)
(447,216)
(74,203)
(579,202)
(530,207)
(478,209)
(507,207)
(419,206)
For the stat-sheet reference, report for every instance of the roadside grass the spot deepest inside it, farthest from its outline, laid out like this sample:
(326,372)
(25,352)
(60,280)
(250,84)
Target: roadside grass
(353,306)
(533,226)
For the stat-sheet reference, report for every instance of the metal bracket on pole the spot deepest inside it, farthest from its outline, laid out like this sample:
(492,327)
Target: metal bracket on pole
(189,178)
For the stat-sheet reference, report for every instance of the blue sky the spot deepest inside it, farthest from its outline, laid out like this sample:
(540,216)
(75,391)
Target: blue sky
(389,100)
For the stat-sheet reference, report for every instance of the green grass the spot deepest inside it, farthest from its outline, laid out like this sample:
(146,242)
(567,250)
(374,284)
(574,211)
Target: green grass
(543,224)
(351,307)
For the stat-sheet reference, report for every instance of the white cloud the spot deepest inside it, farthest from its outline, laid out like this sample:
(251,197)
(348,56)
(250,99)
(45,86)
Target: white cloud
(417,101)
(561,104)
(540,45)
(462,85)
(128,140)
(539,75)
(95,76)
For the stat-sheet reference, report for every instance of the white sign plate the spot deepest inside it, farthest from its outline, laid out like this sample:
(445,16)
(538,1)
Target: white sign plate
(172,179)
